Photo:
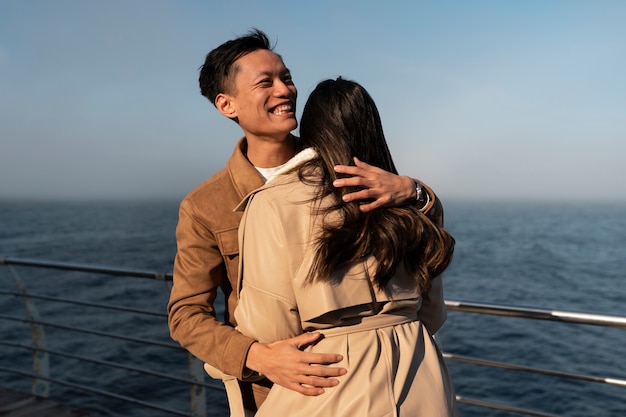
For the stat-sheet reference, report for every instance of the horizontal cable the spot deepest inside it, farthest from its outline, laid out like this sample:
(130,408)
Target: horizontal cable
(83,303)
(503,365)
(486,404)
(103,269)
(113,365)
(537,313)
(99,392)
(93,332)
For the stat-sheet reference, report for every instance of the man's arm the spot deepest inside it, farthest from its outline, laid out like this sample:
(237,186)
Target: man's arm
(387,189)
(198,274)
(384,188)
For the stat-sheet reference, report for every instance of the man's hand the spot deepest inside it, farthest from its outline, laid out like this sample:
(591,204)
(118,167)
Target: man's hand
(285,364)
(385,188)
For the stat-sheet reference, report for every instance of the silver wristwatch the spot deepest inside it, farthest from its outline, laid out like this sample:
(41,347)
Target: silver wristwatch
(420,196)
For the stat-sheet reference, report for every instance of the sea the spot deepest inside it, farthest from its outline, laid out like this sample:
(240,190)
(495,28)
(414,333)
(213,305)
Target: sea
(557,256)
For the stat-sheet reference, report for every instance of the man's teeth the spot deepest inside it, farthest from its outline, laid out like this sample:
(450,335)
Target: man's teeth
(282,109)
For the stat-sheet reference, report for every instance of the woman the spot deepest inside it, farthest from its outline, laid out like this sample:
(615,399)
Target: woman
(369,282)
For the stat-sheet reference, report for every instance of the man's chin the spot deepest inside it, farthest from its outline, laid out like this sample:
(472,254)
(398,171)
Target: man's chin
(290,124)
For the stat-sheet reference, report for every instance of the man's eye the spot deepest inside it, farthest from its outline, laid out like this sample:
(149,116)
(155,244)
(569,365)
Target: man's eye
(288,80)
(265,81)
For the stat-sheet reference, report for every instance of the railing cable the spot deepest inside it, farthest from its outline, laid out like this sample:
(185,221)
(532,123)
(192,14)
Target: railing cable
(93,332)
(603,320)
(84,303)
(567,375)
(100,392)
(116,365)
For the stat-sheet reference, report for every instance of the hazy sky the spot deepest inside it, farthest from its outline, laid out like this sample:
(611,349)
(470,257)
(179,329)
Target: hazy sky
(483,99)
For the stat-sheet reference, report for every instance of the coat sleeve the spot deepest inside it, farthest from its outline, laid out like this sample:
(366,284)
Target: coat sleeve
(266,309)
(433,312)
(198,273)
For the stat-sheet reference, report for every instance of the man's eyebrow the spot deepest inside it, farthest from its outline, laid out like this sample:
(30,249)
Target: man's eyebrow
(263,73)
(269,72)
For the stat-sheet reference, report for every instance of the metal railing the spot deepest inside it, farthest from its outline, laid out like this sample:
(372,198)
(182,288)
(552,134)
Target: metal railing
(601,320)
(41,376)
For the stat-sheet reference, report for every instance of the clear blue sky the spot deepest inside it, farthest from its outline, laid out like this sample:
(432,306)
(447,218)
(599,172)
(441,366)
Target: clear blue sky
(483,99)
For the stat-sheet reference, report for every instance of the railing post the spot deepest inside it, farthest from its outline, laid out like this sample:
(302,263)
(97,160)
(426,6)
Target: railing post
(41,362)
(198,392)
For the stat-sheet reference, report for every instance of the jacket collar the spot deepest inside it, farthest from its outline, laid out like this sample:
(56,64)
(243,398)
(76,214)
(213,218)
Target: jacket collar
(244,177)
(298,159)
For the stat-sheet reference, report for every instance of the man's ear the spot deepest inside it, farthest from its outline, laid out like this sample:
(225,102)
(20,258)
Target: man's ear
(224,104)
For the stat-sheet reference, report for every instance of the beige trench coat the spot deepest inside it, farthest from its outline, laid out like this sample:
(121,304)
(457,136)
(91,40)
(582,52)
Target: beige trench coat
(394,365)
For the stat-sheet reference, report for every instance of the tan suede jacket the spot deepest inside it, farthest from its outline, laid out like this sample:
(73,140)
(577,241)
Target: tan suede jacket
(207,259)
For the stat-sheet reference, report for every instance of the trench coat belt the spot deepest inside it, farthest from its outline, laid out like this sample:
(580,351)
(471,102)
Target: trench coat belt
(371,323)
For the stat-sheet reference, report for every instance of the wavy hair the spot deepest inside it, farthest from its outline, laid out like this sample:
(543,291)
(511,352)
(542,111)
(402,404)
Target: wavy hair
(340,120)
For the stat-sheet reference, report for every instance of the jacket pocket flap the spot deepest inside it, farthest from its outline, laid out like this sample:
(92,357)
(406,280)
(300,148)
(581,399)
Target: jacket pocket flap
(227,241)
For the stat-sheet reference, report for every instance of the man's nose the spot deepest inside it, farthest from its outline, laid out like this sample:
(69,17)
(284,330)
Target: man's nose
(281,89)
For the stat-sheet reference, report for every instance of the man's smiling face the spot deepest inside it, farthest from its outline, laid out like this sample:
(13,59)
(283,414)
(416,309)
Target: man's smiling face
(263,96)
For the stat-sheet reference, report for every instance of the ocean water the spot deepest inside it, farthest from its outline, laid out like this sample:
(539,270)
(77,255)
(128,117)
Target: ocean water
(555,256)
(562,257)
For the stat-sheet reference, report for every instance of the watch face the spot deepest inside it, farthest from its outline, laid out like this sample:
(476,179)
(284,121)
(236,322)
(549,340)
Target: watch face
(418,191)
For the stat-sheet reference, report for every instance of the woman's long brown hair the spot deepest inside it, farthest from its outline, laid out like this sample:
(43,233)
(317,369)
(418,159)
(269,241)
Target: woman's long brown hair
(340,120)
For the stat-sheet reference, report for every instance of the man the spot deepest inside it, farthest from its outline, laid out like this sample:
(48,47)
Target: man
(249,83)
